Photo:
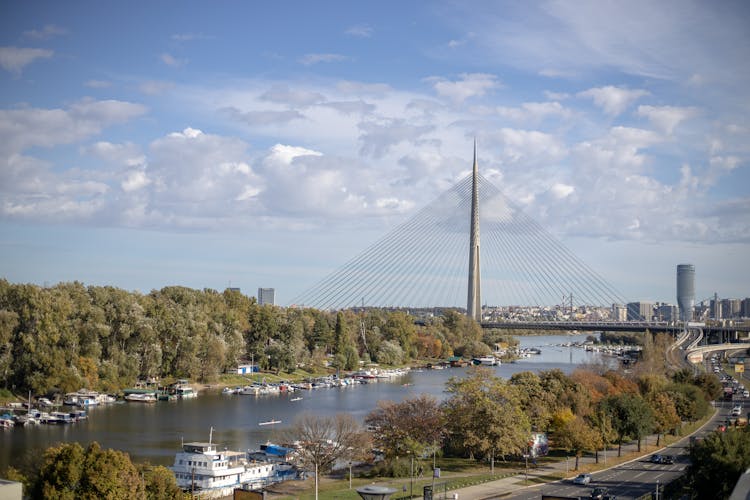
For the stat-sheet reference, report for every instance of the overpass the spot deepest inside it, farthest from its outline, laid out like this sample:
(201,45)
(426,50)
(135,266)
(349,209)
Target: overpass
(611,326)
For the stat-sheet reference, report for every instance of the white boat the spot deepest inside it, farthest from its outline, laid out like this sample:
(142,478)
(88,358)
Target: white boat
(57,418)
(141,397)
(270,422)
(486,361)
(185,392)
(201,467)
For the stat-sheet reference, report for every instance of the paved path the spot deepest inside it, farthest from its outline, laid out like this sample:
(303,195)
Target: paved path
(517,483)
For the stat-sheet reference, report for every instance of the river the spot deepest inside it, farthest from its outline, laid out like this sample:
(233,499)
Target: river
(153,432)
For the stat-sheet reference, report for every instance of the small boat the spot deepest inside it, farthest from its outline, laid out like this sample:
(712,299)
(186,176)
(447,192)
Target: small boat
(485,361)
(145,397)
(295,399)
(270,422)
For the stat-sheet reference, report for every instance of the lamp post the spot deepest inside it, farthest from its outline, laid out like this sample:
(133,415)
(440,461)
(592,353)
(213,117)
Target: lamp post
(373,492)
(350,474)
(411,478)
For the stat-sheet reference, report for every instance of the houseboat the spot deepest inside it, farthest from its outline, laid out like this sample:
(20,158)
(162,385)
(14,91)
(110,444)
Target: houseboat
(205,471)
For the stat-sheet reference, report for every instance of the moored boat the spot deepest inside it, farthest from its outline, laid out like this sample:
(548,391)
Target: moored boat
(200,467)
(141,397)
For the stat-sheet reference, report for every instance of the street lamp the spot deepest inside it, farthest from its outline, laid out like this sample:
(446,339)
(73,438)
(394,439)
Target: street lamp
(372,492)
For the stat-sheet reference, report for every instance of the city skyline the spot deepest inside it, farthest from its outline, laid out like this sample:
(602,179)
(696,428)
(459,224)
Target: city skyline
(143,146)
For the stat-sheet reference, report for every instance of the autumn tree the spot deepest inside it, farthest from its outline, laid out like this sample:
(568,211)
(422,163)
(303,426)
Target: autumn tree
(577,436)
(484,417)
(414,425)
(665,414)
(324,440)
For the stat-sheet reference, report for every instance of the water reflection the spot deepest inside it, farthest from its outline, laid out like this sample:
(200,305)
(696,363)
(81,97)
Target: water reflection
(153,432)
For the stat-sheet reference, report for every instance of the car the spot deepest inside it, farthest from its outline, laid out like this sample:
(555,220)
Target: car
(599,493)
(667,459)
(736,411)
(582,479)
(655,459)
(746,394)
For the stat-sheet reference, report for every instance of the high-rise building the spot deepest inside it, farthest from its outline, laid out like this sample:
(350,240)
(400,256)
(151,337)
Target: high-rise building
(266,296)
(619,312)
(640,311)
(686,291)
(745,309)
(666,312)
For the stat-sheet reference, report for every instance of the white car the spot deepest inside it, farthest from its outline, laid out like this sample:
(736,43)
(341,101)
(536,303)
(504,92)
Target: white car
(736,411)
(582,479)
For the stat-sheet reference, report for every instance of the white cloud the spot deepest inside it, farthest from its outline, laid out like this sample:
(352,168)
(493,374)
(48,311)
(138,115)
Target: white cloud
(470,85)
(98,84)
(613,100)
(310,59)
(127,154)
(285,154)
(155,87)
(666,118)
(27,127)
(49,31)
(171,60)
(534,111)
(561,191)
(282,94)
(264,117)
(14,59)
(360,31)
(135,180)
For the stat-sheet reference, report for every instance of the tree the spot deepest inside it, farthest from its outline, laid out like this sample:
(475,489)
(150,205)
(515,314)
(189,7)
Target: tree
(631,417)
(577,436)
(484,417)
(718,461)
(160,482)
(415,424)
(70,472)
(666,418)
(324,440)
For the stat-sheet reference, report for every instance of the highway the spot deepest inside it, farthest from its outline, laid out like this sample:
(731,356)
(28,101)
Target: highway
(634,479)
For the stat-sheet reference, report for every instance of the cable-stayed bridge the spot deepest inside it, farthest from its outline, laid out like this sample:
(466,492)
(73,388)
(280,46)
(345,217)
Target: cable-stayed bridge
(423,262)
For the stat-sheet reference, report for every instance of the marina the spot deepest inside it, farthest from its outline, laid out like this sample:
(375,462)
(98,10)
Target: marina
(152,432)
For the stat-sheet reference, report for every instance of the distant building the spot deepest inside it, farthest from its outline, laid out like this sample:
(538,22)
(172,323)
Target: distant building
(686,291)
(668,312)
(233,289)
(730,308)
(619,312)
(266,296)
(745,309)
(640,311)
(715,307)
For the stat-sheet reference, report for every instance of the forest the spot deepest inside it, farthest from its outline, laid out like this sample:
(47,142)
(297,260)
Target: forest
(71,336)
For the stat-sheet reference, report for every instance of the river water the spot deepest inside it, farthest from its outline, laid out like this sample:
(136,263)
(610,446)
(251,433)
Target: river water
(153,432)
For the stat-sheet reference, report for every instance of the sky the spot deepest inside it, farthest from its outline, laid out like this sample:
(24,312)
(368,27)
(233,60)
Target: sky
(264,144)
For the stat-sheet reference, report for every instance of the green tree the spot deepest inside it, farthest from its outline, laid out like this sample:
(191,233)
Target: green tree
(718,461)
(483,416)
(631,417)
(70,472)
(160,483)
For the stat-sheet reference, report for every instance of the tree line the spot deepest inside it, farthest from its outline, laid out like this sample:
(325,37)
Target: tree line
(69,336)
(487,417)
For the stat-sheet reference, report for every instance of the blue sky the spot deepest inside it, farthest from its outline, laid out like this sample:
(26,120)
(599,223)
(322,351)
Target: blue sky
(265,143)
